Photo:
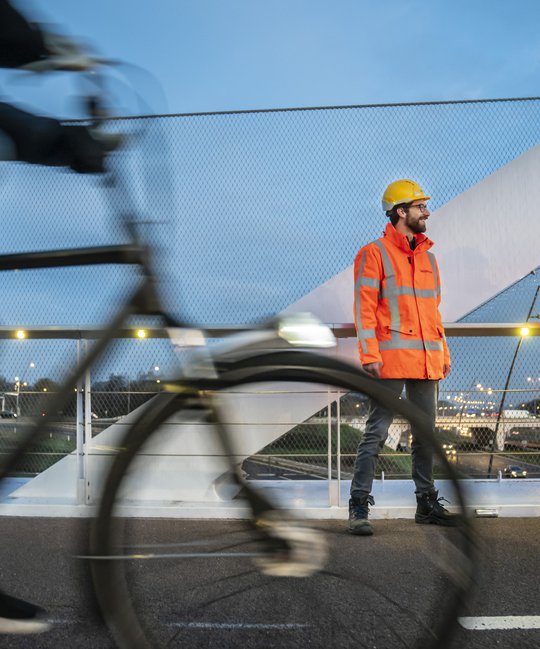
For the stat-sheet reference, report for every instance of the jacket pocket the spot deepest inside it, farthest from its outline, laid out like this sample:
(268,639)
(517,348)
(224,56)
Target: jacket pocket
(404,331)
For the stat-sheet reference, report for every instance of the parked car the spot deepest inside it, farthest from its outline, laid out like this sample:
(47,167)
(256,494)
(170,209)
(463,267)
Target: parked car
(8,414)
(514,471)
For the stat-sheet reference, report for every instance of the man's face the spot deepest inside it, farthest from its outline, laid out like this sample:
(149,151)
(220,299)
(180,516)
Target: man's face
(415,217)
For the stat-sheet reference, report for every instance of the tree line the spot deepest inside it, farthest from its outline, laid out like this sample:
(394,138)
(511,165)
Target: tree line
(113,397)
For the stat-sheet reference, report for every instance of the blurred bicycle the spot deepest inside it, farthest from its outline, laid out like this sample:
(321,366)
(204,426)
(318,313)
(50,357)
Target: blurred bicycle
(273,562)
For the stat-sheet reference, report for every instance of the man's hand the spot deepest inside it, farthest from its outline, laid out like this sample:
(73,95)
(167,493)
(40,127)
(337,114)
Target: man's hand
(374,369)
(446,370)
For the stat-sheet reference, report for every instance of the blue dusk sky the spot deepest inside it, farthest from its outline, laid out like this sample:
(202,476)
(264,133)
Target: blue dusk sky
(216,55)
(262,208)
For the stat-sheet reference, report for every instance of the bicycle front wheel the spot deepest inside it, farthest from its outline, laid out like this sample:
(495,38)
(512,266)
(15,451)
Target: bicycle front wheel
(193,573)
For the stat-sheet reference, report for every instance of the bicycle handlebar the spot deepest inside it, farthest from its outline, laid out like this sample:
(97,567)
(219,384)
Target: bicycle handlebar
(118,254)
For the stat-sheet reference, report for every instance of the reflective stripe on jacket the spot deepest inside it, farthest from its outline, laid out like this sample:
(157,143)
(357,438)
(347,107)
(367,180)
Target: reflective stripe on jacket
(396,308)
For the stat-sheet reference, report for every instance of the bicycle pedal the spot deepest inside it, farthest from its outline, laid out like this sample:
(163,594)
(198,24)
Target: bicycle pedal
(293,550)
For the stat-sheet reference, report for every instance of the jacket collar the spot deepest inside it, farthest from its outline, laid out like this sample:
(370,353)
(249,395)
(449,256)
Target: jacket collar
(401,241)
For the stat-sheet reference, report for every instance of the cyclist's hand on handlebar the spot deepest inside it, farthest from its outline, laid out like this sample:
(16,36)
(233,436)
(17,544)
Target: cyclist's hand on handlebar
(63,54)
(374,369)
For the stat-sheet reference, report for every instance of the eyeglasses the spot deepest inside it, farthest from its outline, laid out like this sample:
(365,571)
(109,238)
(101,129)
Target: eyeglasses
(422,207)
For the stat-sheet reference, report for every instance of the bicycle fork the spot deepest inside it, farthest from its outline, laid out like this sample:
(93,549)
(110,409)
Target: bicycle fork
(289,547)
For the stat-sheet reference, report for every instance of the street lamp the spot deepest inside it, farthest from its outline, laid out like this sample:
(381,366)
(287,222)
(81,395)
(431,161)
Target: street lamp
(17,391)
(18,385)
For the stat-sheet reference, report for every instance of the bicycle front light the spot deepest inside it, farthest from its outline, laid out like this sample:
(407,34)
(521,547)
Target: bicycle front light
(304,330)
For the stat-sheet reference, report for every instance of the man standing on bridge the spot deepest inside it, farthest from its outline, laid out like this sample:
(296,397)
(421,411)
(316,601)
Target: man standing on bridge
(400,340)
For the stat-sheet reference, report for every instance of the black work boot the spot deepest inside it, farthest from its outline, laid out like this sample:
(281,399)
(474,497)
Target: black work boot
(430,511)
(358,515)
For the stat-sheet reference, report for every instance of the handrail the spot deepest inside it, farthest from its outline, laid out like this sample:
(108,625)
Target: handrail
(341,330)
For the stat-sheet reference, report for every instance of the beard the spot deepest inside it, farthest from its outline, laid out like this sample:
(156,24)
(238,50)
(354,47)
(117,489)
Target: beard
(418,225)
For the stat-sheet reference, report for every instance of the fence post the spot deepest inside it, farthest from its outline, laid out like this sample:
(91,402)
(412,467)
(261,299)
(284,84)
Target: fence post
(338,447)
(332,495)
(79,432)
(87,429)
(329,447)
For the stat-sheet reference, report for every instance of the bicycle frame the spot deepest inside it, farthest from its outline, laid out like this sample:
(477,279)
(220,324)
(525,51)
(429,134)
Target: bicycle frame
(143,301)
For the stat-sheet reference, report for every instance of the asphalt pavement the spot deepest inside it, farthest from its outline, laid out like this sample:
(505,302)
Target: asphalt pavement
(38,563)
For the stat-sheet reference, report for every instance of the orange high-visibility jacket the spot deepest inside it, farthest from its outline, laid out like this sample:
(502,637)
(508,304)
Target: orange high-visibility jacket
(397,292)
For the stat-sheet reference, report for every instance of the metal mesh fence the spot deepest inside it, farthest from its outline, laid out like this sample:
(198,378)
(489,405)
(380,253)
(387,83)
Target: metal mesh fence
(260,208)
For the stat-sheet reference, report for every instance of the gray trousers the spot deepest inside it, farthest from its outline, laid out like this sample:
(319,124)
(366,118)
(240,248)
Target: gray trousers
(424,394)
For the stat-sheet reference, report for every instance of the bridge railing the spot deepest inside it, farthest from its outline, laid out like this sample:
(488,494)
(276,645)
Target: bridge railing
(487,419)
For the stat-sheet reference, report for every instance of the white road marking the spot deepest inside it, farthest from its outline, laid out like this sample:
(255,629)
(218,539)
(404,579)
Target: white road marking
(500,622)
(216,625)
(207,625)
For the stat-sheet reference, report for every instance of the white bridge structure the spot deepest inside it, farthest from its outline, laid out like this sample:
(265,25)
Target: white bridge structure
(480,432)
(471,233)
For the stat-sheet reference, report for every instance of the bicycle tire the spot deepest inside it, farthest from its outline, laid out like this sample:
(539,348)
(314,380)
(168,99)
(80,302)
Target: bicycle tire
(113,569)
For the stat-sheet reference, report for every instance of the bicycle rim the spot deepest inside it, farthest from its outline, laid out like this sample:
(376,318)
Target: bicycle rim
(192,583)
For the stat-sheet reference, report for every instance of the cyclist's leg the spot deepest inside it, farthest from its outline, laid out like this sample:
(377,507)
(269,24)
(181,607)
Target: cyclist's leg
(22,41)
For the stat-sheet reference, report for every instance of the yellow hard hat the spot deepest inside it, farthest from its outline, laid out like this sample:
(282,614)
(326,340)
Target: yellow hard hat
(402,191)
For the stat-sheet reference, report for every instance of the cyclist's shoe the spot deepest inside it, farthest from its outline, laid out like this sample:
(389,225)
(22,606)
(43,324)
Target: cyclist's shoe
(18,616)
(358,515)
(430,511)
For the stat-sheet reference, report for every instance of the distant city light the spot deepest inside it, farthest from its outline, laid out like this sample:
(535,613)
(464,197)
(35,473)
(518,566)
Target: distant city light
(141,333)
(524,331)
(21,335)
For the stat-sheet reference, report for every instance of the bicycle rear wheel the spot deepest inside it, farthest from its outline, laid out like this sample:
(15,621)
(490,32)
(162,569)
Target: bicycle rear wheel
(179,582)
